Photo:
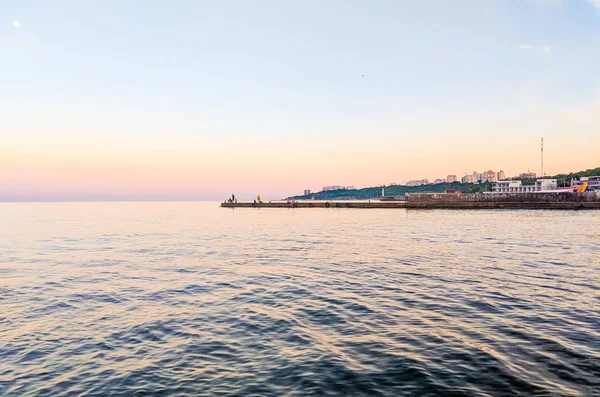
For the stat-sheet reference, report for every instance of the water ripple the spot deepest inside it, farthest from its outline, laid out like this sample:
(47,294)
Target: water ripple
(191,299)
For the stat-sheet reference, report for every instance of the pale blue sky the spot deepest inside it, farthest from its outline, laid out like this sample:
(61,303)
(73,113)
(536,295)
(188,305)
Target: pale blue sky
(236,76)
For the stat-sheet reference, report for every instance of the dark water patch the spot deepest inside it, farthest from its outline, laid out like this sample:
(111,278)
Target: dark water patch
(483,306)
(185,271)
(198,289)
(97,297)
(52,308)
(170,296)
(324,316)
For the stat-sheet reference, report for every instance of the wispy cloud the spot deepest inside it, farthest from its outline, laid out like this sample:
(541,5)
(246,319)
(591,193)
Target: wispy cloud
(544,49)
(559,3)
(595,3)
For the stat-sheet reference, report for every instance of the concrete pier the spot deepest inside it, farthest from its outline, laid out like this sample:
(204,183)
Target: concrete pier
(420,205)
(557,201)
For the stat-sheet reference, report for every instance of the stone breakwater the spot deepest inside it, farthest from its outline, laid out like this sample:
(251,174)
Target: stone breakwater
(550,197)
(563,201)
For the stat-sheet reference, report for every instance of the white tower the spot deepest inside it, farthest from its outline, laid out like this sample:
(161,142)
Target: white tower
(542,153)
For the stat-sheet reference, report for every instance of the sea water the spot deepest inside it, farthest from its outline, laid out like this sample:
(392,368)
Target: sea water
(180,299)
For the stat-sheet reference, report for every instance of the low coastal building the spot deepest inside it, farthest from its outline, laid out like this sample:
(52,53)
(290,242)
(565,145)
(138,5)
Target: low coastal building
(593,182)
(527,175)
(541,185)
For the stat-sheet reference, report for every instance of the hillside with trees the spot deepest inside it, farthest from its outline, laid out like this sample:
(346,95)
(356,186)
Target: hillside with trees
(393,190)
(400,190)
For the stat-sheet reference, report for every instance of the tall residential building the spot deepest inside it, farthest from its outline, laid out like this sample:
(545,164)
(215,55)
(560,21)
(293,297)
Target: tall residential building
(468,179)
(451,178)
(306,192)
(488,176)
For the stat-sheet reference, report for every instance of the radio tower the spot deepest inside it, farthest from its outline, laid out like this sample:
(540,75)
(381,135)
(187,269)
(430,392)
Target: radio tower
(542,152)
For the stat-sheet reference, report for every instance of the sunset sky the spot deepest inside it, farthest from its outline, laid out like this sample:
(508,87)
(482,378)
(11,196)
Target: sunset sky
(158,100)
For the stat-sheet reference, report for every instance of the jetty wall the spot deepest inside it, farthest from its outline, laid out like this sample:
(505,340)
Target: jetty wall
(550,197)
(559,201)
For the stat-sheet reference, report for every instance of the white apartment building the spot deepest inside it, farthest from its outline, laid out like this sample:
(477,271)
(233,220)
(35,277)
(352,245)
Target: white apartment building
(418,182)
(527,175)
(333,187)
(488,176)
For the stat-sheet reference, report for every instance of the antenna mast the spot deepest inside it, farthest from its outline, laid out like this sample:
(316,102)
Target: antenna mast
(542,153)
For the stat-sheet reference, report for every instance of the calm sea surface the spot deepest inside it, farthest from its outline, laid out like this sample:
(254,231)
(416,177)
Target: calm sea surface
(128,299)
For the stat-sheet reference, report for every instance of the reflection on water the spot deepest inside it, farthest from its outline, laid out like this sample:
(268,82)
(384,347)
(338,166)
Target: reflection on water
(192,299)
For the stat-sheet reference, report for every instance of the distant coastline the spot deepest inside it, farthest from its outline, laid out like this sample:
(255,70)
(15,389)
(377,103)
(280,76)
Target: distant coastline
(393,190)
(375,192)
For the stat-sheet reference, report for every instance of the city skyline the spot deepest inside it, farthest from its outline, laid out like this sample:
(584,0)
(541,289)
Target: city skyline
(475,177)
(112,101)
